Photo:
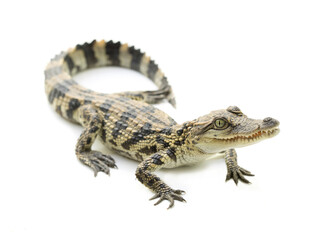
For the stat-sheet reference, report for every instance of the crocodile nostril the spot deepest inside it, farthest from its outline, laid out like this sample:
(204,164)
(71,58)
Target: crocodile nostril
(268,119)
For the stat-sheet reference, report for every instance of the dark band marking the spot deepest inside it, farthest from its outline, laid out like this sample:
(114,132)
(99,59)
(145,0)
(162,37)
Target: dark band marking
(151,182)
(106,116)
(121,124)
(88,100)
(171,153)
(179,143)
(139,135)
(146,166)
(94,129)
(104,107)
(58,91)
(139,175)
(161,141)
(123,99)
(112,50)
(73,105)
(152,179)
(112,142)
(69,62)
(103,132)
(131,113)
(157,159)
(148,150)
(166,131)
(148,109)
(87,48)
(152,69)
(58,109)
(154,119)
(136,58)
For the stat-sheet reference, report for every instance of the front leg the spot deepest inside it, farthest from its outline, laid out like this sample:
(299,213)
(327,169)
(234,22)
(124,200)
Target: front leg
(99,162)
(150,180)
(235,172)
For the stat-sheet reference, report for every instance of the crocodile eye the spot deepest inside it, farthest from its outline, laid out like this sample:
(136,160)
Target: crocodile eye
(221,124)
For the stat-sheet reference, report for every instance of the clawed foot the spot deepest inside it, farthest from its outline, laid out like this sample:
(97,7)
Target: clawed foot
(237,173)
(97,161)
(170,195)
(157,95)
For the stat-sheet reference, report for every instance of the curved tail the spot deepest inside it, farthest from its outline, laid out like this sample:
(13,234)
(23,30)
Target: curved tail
(59,71)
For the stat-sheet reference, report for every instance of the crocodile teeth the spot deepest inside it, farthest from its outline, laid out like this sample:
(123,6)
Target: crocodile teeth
(253,137)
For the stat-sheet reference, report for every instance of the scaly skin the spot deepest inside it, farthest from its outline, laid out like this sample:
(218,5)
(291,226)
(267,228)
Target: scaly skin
(130,126)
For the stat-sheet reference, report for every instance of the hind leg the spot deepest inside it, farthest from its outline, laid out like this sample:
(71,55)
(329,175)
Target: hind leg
(152,97)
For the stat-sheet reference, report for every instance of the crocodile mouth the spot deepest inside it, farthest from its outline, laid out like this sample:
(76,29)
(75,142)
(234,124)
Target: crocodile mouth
(256,136)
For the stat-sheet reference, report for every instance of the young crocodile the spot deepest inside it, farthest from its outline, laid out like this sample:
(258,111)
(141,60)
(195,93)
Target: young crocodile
(129,125)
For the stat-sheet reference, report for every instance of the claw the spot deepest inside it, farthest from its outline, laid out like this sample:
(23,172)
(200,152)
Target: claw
(160,200)
(237,174)
(242,178)
(157,195)
(235,177)
(178,197)
(246,172)
(101,165)
(97,161)
(229,175)
(108,160)
(170,196)
(181,192)
(95,170)
(172,202)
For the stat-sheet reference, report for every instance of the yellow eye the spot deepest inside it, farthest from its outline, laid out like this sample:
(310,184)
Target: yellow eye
(221,124)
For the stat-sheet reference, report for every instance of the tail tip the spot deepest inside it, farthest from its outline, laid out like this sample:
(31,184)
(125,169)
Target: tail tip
(172,102)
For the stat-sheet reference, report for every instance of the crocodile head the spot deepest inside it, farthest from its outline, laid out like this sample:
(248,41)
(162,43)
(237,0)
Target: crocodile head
(230,128)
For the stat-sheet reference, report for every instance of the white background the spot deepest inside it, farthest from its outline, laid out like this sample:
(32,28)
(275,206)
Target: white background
(270,58)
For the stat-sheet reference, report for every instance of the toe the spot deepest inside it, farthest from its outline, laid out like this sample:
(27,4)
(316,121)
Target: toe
(235,177)
(246,172)
(229,175)
(178,197)
(181,192)
(102,166)
(242,178)
(171,201)
(160,200)
(157,195)
(95,170)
